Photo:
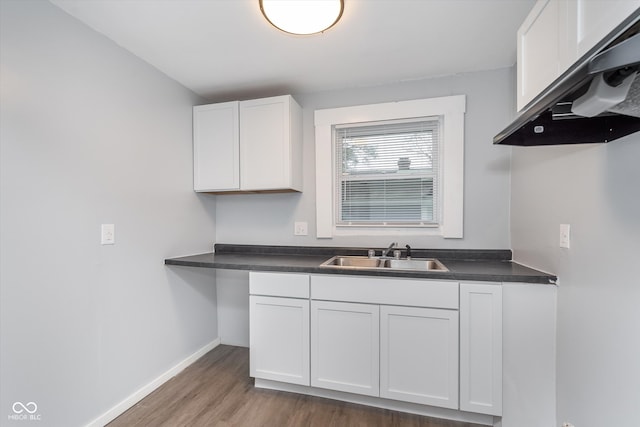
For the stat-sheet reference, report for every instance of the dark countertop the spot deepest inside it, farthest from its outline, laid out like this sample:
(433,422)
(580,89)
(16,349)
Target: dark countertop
(473,265)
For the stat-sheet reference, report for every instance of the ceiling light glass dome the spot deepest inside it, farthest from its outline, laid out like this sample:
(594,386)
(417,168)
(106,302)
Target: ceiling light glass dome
(302,16)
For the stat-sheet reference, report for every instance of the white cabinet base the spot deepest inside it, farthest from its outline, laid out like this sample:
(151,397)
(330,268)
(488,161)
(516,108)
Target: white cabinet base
(394,405)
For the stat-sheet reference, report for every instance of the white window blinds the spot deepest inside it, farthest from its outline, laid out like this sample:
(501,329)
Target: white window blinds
(387,173)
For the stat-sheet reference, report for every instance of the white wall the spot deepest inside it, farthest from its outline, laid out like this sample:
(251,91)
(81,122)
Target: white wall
(269,218)
(89,135)
(594,188)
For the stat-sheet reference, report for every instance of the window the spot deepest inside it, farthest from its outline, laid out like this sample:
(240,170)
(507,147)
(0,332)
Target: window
(386,173)
(392,168)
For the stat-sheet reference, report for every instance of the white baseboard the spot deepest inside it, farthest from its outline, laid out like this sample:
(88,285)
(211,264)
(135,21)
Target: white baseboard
(140,394)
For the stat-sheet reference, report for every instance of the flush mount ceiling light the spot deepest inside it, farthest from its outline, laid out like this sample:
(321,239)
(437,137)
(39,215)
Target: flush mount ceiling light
(302,16)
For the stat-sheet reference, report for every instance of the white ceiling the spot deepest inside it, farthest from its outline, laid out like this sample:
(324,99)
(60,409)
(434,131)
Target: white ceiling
(225,48)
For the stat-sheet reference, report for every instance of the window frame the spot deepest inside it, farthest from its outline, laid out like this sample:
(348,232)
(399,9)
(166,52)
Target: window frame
(451,109)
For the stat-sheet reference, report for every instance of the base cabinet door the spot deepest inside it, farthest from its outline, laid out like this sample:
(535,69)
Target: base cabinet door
(344,347)
(279,339)
(419,355)
(481,348)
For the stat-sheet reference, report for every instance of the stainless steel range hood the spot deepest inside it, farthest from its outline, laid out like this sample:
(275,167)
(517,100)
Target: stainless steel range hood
(596,100)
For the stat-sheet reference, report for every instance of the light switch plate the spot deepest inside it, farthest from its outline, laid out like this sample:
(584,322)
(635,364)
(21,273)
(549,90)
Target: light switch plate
(565,236)
(108,234)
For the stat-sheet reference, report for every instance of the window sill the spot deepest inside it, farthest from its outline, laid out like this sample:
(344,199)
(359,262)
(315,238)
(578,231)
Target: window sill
(387,231)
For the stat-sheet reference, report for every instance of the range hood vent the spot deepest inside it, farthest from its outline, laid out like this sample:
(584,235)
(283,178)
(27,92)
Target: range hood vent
(595,101)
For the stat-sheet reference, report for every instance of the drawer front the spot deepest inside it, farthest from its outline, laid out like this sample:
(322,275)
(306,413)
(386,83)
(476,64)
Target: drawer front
(279,284)
(389,291)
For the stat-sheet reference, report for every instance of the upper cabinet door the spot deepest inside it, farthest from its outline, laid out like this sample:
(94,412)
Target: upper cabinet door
(270,144)
(538,50)
(557,33)
(216,146)
(595,19)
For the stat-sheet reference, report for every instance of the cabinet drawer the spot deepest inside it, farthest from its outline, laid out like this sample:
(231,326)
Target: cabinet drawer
(279,284)
(390,291)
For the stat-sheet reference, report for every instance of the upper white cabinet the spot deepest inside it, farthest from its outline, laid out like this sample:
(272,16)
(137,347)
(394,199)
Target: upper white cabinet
(538,50)
(594,19)
(248,146)
(216,147)
(271,144)
(557,33)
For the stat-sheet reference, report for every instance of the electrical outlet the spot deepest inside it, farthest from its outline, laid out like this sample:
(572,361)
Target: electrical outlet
(300,228)
(565,236)
(108,234)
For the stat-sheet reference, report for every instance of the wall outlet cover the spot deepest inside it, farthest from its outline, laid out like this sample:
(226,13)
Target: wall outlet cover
(300,228)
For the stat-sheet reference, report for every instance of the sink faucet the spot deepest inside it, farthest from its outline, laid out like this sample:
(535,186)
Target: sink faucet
(385,253)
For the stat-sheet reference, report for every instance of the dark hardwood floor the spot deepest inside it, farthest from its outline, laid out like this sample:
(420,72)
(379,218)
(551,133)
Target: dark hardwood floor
(217,391)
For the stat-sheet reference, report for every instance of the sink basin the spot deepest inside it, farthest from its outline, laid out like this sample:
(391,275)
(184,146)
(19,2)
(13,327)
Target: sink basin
(365,263)
(353,262)
(416,264)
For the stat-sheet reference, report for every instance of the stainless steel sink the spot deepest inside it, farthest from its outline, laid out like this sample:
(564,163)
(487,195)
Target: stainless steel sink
(365,263)
(353,262)
(416,264)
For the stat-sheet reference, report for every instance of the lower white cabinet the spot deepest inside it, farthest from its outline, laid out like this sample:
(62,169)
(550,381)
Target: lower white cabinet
(481,348)
(279,339)
(279,327)
(436,343)
(396,352)
(419,355)
(344,347)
